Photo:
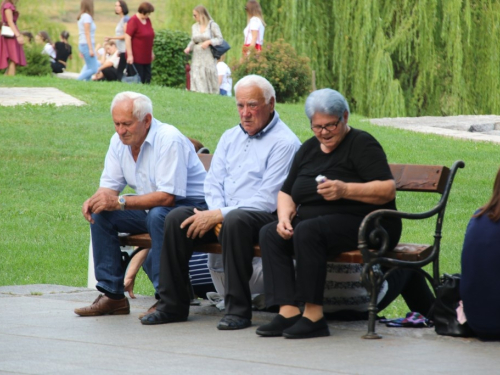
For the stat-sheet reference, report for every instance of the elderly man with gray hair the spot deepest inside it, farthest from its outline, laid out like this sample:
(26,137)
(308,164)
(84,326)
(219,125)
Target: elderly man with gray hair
(161,165)
(248,168)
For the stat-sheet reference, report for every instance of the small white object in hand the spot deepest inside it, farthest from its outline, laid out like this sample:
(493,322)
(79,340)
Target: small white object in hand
(320,179)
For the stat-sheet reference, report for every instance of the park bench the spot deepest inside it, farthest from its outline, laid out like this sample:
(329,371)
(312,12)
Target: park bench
(408,177)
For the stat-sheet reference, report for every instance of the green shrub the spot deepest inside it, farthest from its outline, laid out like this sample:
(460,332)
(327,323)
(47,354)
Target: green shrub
(279,63)
(168,68)
(36,63)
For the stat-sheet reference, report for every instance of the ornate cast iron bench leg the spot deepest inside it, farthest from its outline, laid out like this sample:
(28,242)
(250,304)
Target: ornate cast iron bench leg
(372,281)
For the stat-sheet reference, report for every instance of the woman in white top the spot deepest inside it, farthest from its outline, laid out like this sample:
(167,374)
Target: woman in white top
(254,32)
(108,71)
(205,32)
(48,48)
(86,39)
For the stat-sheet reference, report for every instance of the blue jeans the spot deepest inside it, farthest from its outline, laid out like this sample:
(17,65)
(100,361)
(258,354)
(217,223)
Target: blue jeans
(91,63)
(108,269)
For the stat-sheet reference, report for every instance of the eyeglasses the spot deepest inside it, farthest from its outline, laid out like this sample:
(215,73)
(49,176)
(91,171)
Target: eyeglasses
(328,127)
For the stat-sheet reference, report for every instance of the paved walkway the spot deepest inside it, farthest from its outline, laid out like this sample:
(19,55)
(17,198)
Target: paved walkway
(40,334)
(10,96)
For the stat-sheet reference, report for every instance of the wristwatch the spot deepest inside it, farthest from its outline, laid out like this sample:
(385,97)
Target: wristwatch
(122,202)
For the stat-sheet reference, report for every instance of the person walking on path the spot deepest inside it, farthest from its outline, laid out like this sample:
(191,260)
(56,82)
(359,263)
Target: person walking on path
(11,48)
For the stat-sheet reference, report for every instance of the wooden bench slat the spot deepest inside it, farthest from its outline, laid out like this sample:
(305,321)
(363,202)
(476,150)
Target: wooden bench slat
(403,251)
(423,178)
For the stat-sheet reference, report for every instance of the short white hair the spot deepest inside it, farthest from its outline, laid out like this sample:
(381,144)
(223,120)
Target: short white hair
(142,105)
(259,81)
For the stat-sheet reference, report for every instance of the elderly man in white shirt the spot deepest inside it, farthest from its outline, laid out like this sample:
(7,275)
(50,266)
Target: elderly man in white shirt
(161,165)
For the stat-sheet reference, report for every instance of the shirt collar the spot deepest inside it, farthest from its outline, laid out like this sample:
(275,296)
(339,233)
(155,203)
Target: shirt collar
(152,132)
(266,129)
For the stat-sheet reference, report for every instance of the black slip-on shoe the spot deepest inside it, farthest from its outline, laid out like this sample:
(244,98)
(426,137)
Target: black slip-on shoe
(277,326)
(305,329)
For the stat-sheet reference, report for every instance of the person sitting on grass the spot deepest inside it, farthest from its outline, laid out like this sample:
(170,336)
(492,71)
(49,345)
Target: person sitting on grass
(108,71)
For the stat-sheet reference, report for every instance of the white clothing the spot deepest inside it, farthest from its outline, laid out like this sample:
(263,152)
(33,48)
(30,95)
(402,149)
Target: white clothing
(120,31)
(86,18)
(161,165)
(227,82)
(48,49)
(114,58)
(254,24)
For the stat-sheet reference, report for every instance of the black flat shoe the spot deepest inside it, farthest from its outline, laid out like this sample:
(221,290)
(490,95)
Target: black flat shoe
(305,329)
(160,317)
(232,322)
(277,325)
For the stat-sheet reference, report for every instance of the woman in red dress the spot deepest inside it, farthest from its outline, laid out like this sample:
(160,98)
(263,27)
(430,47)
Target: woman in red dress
(139,39)
(11,49)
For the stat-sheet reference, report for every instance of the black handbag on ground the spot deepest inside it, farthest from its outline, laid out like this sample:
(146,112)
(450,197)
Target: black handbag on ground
(218,51)
(443,312)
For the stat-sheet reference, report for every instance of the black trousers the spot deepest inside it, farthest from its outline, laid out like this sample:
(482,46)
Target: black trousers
(239,233)
(313,241)
(144,71)
(110,74)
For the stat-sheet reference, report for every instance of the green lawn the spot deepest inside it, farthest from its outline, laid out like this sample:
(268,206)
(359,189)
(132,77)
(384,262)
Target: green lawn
(52,157)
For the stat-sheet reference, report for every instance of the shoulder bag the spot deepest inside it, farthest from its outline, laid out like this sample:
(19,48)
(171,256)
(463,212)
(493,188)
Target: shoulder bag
(218,51)
(136,78)
(7,32)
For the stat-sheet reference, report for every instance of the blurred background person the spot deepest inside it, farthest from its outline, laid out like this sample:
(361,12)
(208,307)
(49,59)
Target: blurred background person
(63,53)
(86,39)
(48,48)
(204,32)
(11,49)
(108,71)
(225,80)
(254,31)
(121,9)
(139,38)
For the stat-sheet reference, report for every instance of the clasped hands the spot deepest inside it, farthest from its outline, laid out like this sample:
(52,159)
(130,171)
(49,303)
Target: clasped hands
(201,222)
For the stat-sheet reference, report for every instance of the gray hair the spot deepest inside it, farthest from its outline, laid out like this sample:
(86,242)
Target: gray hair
(142,105)
(326,101)
(259,81)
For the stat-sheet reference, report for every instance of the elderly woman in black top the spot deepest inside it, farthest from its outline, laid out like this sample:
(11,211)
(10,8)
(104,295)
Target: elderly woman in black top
(337,177)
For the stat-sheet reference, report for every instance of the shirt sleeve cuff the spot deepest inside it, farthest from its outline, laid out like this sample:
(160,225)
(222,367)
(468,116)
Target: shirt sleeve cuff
(226,210)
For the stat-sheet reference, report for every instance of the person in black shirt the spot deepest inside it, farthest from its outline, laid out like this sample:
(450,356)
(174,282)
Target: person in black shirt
(63,53)
(337,178)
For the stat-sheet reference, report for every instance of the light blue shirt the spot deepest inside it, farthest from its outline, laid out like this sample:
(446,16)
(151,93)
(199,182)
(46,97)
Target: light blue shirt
(167,162)
(247,171)
(86,18)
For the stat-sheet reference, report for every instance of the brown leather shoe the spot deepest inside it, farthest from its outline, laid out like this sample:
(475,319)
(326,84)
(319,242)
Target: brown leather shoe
(152,309)
(105,306)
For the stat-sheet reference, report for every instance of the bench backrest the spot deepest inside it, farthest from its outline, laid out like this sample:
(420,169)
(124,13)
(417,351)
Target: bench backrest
(409,177)
(423,178)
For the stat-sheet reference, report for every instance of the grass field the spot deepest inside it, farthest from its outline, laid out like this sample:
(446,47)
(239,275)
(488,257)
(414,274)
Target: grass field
(52,158)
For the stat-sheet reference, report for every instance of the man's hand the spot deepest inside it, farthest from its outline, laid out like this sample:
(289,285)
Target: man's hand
(201,222)
(129,282)
(285,229)
(102,200)
(332,190)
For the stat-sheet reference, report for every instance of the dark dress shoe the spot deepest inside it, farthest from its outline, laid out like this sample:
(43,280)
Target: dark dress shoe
(277,325)
(232,322)
(105,306)
(152,309)
(160,317)
(305,329)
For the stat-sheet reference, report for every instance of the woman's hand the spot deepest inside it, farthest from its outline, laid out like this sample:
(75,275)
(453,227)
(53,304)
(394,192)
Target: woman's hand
(332,190)
(206,43)
(130,59)
(285,229)
(187,50)
(20,39)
